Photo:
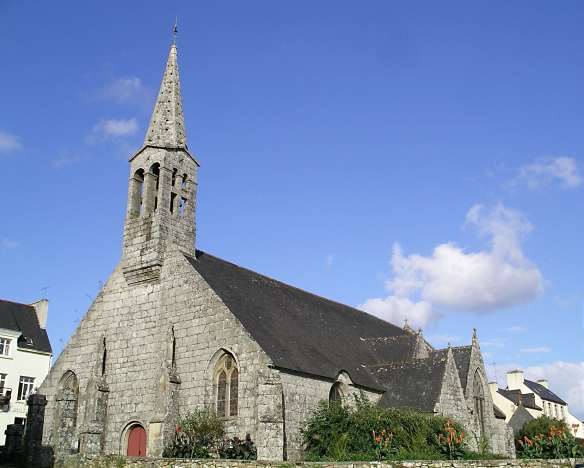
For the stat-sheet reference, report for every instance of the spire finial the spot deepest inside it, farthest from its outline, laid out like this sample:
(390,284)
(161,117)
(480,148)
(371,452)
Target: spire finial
(175,30)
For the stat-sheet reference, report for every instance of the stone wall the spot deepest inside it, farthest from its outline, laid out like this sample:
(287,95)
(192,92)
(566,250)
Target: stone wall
(138,323)
(77,461)
(301,396)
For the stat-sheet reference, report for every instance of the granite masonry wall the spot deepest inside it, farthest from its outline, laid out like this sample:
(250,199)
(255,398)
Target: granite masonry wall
(138,324)
(301,396)
(78,461)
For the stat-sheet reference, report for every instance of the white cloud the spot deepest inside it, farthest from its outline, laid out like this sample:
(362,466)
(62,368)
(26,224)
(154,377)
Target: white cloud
(328,261)
(544,172)
(491,344)
(9,142)
(126,90)
(566,380)
(396,309)
(452,278)
(537,349)
(473,281)
(115,128)
(67,160)
(8,244)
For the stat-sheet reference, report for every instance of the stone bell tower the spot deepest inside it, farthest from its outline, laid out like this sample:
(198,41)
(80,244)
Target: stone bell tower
(162,187)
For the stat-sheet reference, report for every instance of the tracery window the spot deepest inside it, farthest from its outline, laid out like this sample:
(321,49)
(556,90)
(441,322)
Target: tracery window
(479,400)
(227,386)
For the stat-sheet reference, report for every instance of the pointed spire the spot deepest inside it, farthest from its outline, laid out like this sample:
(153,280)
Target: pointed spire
(475,339)
(167,125)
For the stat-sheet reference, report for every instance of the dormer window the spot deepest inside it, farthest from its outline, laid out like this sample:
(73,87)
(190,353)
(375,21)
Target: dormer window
(5,346)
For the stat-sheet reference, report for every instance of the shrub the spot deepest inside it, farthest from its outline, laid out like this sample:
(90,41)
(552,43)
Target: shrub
(238,449)
(368,432)
(196,436)
(546,437)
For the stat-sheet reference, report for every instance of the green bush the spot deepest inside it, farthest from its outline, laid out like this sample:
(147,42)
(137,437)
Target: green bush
(238,449)
(196,436)
(367,432)
(546,437)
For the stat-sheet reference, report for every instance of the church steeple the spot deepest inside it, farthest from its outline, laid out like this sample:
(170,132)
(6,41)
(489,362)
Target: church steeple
(167,124)
(162,188)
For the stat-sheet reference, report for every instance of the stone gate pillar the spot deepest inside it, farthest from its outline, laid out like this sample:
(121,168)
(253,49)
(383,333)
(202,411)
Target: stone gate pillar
(33,436)
(13,441)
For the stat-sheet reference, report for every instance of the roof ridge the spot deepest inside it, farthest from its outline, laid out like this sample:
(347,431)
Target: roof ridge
(17,303)
(296,288)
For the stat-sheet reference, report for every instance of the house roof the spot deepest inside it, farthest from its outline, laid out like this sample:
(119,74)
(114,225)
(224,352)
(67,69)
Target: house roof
(544,393)
(414,384)
(526,399)
(298,330)
(23,318)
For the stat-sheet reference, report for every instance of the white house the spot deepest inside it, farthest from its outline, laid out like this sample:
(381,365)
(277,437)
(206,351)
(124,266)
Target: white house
(25,357)
(524,400)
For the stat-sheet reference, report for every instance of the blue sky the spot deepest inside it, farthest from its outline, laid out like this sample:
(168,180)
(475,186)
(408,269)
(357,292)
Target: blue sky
(419,159)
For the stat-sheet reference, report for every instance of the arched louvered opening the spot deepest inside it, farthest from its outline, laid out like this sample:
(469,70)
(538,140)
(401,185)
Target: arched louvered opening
(136,193)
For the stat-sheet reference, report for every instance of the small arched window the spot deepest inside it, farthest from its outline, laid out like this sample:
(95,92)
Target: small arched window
(174,173)
(227,386)
(336,394)
(479,400)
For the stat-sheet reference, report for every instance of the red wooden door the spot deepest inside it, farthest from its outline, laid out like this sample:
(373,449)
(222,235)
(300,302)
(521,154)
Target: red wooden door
(137,442)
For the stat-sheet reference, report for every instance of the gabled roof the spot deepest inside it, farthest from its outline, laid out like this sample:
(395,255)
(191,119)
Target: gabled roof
(525,399)
(23,318)
(415,384)
(462,360)
(393,348)
(298,330)
(543,393)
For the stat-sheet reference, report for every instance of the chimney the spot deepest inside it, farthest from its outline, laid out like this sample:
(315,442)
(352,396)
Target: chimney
(544,383)
(515,379)
(41,308)
(493,387)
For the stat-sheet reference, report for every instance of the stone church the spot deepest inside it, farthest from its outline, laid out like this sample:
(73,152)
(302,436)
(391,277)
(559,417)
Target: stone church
(175,328)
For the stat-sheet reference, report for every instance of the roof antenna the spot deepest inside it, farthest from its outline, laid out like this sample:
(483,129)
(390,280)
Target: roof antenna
(175,30)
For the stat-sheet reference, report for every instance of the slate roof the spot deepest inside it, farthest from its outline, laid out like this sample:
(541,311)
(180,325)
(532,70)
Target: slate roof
(544,393)
(393,348)
(462,359)
(298,330)
(526,399)
(498,413)
(414,384)
(23,318)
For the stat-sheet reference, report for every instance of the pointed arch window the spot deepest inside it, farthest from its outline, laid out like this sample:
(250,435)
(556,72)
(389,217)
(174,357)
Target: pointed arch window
(335,393)
(479,400)
(227,386)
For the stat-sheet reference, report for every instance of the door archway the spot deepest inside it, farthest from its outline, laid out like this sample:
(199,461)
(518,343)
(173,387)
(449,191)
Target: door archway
(136,441)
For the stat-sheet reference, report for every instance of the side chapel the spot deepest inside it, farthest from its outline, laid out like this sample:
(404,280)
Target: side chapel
(175,328)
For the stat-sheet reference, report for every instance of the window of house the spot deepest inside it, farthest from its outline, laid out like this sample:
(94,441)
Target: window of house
(25,387)
(2,382)
(4,346)
(227,386)
(21,421)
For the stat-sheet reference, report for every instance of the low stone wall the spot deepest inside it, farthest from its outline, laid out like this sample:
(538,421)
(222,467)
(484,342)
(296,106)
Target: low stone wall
(118,461)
